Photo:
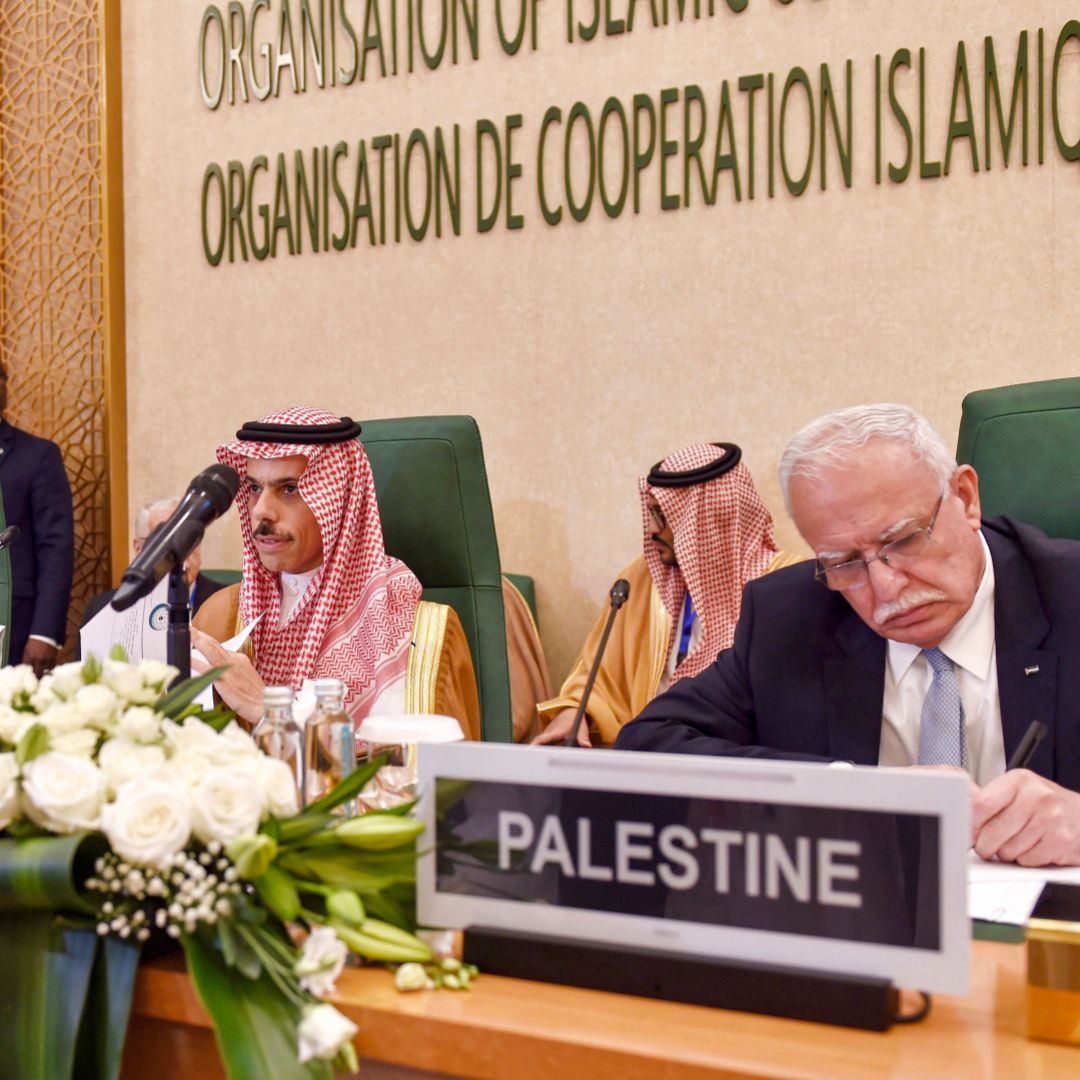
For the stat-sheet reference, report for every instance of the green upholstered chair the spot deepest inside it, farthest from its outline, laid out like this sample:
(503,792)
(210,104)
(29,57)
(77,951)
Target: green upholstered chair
(222,576)
(527,587)
(436,517)
(1024,442)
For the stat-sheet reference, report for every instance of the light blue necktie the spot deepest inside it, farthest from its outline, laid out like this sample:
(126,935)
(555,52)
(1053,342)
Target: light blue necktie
(942,736)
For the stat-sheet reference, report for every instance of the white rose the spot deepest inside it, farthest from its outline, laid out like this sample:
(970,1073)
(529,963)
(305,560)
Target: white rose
(121,760)
(192,735)
(157,675)
(125,681)
(12,724)
(235,741)
(277,782)
(62,792)
(323,1031)
(190,766)
(9,790)
(45,696)
(81,743)
(17,684)
(226,804)
(63,717)
(321,961)
(66,680)
(140,724)
(149,821)
(99,705)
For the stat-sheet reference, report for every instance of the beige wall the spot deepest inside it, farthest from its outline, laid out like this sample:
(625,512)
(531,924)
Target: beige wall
(588,351)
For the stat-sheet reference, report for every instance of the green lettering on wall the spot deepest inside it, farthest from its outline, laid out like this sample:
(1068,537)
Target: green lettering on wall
(580,211)
(213,173)
(668,148)
(613,207)
(612,26)
(797,77)
(236,209)
(992,92)
(259,249)
(431,59)
(349,75)
(361,202)
(417,139)
(373,39)
(472,26)
(382,143)
(729,161)
(485,221)
(750,85)
(285,49)
(642,104)
(1069,151)
(444,181)
(927,169)
(312,42)
(282,211)
(899,173)
(237,27)
(513,171)
(307,200)
(961,128)
(340,240)
(552,116)
(693,141)
(829,112)
(211,95)
(511,45)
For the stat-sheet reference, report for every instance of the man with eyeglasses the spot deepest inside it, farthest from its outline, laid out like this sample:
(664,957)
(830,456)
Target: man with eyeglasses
(706,532)
(922,636)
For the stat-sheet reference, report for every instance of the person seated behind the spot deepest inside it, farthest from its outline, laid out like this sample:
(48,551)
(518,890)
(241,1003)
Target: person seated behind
(329,600)
(706,534)
(929,637)
(148,518)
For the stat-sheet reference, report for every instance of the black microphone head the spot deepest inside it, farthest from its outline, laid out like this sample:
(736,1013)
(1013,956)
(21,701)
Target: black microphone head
(219,483)
(620,593)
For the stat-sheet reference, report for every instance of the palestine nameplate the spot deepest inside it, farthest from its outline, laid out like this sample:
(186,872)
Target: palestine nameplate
(858,871)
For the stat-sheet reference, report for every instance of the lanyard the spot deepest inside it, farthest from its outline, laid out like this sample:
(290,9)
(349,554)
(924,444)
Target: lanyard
(689,615)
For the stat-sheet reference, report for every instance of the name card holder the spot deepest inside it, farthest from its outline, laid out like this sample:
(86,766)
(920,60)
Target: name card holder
(823,997)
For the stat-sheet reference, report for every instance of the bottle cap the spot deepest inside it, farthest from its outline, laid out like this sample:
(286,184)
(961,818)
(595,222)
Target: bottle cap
(276,697)
(329,688)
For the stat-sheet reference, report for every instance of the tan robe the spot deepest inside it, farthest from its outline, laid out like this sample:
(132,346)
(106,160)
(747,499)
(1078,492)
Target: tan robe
(529,678)
(440,676)
(635,659)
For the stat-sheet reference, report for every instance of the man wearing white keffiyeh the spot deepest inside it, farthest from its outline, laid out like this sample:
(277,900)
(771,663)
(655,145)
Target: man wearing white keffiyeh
(329,600)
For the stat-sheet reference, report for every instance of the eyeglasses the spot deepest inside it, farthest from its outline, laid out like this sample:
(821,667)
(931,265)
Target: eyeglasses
(658,517)
(901,552)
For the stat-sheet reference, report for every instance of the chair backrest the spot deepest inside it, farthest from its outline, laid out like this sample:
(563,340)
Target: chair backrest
(436,517)
(1024,442)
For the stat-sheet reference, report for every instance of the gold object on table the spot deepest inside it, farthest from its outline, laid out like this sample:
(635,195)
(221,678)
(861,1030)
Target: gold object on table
(1053,991)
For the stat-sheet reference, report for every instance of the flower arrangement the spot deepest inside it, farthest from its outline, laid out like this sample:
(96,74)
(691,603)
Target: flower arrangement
(170,821)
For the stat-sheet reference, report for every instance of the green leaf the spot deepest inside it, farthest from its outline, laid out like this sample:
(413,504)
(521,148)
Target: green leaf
(100,1047)
(348,789)
(46,873)
(347,868)
(254,1023)
(277,890)
(34,743)
(297,829)
(91,669)
(176,700)
(118,652)
(237,952)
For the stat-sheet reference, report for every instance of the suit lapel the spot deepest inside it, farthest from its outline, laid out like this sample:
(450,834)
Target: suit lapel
(854,691)
(1027,675)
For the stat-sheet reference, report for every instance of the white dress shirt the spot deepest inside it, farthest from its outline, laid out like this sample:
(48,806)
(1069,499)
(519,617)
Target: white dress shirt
(293,587)
(970,645)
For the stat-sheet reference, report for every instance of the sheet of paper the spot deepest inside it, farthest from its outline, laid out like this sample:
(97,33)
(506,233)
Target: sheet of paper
(234,644)
(1007,893)
(142,630)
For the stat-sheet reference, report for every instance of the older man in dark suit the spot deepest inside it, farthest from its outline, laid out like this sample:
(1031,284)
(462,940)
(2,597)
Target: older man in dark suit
(37,499)
(930,637)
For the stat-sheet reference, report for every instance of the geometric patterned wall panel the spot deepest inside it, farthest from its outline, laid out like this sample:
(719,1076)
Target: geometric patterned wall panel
(53,255)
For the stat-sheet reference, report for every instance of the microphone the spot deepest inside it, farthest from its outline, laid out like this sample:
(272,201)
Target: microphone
(208,496)
(9,536)
(620,593)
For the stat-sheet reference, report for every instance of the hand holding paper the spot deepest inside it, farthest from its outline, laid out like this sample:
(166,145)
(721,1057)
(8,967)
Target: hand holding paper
(240,687)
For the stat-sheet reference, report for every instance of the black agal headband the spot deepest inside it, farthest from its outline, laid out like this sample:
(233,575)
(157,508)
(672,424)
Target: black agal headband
(339,431)
(659,478)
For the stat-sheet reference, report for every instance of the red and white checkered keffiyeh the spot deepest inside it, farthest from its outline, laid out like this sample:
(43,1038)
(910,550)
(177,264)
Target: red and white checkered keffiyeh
(355,619)
(723,539)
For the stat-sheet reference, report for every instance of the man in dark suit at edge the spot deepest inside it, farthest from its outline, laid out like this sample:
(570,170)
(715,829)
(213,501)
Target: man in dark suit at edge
(37,499)
(929,637)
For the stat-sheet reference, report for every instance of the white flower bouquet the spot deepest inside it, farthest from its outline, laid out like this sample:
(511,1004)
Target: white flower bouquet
(127,812)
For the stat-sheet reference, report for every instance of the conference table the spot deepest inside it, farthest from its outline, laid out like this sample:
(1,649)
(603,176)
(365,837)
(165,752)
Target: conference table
(510,1029)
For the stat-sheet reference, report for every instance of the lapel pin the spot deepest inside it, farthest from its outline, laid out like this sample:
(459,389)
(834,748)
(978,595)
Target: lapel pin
(1033,670)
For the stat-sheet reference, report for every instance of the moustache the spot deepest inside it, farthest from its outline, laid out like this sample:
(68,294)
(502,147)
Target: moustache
(264,528)
(905,602)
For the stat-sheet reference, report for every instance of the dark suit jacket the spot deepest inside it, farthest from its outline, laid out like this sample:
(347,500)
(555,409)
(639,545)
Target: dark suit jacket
(805,677)
(204,588)
(37,498)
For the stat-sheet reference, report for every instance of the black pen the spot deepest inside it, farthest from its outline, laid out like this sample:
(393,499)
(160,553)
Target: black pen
(1027,746)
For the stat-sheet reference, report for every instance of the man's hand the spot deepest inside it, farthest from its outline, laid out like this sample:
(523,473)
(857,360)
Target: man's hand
(40,655)
(1023,818)
(559,729)
(240,687)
